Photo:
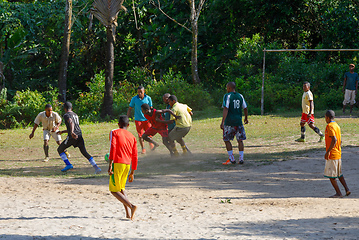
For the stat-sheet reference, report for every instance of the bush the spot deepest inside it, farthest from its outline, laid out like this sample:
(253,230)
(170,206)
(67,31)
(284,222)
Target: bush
(195,96)
(25,107)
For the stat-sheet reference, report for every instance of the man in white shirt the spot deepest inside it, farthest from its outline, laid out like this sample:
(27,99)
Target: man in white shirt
(50,124)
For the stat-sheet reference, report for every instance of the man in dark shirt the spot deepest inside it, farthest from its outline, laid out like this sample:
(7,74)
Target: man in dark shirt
(74,138)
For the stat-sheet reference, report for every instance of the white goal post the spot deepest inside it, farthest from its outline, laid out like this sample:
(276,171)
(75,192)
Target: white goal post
(293,50)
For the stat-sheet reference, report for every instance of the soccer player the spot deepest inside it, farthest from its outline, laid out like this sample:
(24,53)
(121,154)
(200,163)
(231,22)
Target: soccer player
(74,138)
(350,87)
(232,124)
(123,156)
(142,124)
(51,122)
(157,126)
(333,163)
(183,124)
(308,113)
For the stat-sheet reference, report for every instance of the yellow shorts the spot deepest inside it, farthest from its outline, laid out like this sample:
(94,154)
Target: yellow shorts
(119,177)
(333,168)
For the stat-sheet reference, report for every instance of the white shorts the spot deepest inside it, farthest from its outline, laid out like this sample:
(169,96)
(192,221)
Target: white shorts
(54,135)
(333,168)
(349,97)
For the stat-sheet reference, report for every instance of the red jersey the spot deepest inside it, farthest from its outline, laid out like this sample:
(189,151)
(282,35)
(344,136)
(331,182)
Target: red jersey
(154,123)
(123,147)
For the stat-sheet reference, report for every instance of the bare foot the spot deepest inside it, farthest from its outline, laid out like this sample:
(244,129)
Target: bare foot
(154,146)
(133,210)
(336,196)
(348,193)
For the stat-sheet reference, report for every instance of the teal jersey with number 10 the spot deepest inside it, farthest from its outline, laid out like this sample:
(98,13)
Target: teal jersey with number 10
(235,103)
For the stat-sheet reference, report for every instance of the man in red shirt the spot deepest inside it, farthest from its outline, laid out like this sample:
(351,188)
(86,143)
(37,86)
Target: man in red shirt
(123,155)
(157,126)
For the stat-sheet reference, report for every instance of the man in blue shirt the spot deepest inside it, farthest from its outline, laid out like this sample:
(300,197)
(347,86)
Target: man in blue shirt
(142,124)
(350,87)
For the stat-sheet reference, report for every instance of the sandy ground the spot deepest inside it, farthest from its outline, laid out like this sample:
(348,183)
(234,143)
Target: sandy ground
(283,200)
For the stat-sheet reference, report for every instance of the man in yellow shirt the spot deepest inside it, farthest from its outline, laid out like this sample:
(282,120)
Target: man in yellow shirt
(308,114)
(183,124)
(333,154)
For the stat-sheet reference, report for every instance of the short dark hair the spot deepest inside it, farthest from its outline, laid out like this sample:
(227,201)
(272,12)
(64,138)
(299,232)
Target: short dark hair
(306,83)
(123,121)
(145,106)
(232,85)
(67,105)
(166,95)
(173,98)
(48,106)
(140,87)
(330,114)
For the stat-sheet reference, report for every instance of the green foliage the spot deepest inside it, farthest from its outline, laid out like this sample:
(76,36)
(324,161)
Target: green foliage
(194,96)
(25,107)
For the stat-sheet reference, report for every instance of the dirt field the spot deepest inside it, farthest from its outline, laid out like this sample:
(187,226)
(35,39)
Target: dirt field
(283,200)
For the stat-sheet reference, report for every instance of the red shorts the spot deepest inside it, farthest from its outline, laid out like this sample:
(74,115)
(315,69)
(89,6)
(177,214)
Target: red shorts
(142,126)
(305,118)
(152,131)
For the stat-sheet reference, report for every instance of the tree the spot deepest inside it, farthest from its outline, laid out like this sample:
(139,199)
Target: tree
(106,12)
(65,52)
(195,13)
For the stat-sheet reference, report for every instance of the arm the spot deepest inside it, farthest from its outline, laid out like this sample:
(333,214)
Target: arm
(129,111)
(168,111)
(72,126)
(33,131)
(245,115)
(190,113)
(110,170)
(225,113)
(311,106)
(332,144)
(344,83)
(57,125)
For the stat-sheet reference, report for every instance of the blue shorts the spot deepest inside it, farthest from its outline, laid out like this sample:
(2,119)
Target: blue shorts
(230,131)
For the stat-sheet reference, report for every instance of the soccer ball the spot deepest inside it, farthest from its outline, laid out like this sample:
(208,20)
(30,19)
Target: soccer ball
(107,155)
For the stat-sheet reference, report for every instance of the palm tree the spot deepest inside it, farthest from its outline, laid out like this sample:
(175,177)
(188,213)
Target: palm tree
(106,12)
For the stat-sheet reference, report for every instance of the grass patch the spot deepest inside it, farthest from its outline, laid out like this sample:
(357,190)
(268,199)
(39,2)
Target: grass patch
(269,138)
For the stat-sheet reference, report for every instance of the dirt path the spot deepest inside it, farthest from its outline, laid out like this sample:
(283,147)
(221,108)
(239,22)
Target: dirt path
(283,200)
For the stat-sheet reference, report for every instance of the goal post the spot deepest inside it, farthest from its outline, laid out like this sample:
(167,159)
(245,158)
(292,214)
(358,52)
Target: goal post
(293,50)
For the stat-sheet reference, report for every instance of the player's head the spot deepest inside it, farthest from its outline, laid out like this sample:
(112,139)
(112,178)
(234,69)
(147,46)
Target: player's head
(145,108)
(165,97)
(329,116)
(141,91)
(48,109)
(172,100)
(123,121)
(67,106)
(306,86)
(351,67)
(231,86)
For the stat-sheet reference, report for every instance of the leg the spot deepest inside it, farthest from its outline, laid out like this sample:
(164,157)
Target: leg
(241,151)
(334,183)
(81,146)
(343,108)
(65,144)
(46,148)
(150,140)
(166,142)
(126,208)
(315,129)
(124,200)
(351,108)
(343,182)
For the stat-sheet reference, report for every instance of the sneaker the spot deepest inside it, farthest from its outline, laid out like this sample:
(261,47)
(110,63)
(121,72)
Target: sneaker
(228,162)
(241,162)
(97,170)
(321,139)
(300,140)
(68,167)
(46,159)
(67,154)
(143,151)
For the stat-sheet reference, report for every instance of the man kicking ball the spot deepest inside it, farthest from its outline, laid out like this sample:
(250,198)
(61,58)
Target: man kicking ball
(74,138)
(123,155)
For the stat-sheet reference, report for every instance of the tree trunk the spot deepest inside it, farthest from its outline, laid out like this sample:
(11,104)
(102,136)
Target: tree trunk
(2,77)
(65,52)
(194,60)
(110,58)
